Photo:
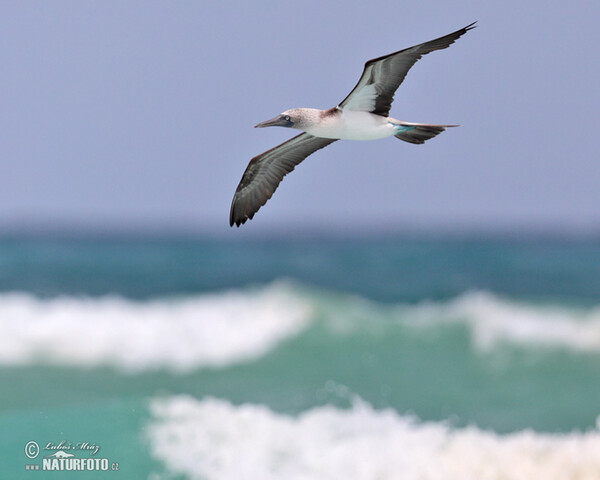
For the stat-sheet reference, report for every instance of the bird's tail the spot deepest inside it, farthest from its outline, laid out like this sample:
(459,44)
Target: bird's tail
(418,133)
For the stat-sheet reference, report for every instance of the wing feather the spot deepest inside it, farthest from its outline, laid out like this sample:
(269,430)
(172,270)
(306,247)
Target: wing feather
(265,172)
(384,75)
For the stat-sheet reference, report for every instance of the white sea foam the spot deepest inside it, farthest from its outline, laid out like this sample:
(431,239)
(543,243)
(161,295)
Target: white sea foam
(176,334)
(182,334)
(213,439)
(493,320)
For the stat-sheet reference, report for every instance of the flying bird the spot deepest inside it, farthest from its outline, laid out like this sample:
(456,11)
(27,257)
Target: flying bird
(362,115)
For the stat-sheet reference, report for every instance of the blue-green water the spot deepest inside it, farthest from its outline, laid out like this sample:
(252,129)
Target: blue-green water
(235,359)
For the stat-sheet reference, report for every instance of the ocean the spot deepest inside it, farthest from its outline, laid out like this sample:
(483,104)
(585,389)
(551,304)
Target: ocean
(417,357)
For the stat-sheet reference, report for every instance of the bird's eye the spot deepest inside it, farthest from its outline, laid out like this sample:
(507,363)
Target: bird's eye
(287,118)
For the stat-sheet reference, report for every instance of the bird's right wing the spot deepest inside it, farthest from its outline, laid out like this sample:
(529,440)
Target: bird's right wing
(381,76)
(265,172)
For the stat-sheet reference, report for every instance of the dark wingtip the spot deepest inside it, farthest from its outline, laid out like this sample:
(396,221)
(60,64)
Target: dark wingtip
(232,215)
(231,220)
(236,221)
(471,26)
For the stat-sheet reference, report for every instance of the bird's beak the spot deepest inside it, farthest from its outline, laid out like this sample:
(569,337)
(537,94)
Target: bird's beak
(278,121)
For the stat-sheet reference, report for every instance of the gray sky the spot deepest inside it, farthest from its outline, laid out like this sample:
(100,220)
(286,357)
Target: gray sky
(141,113)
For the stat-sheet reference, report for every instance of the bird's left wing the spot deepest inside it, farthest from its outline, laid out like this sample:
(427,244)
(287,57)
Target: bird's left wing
(265,172)
(382,76)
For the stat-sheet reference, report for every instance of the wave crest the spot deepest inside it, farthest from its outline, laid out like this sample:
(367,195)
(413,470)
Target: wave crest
(177,334)
(493,320)
(214,439)
(221,329)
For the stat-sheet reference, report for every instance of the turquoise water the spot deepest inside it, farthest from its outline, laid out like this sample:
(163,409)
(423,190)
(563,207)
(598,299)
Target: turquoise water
(213,359)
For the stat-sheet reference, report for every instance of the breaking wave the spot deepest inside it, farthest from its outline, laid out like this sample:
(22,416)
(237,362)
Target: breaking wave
(177,334)
(493,320)
(217,330)
(213,439)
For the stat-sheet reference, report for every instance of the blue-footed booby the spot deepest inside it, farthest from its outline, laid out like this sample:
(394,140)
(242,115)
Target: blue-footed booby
(362,115)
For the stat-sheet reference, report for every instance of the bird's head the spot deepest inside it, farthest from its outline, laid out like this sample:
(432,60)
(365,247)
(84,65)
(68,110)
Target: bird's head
(289,118)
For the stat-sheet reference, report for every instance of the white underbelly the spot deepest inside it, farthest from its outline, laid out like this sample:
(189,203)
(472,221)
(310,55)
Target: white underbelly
(352,125)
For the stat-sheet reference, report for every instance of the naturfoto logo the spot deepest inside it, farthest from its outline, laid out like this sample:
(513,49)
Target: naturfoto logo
(63,456)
